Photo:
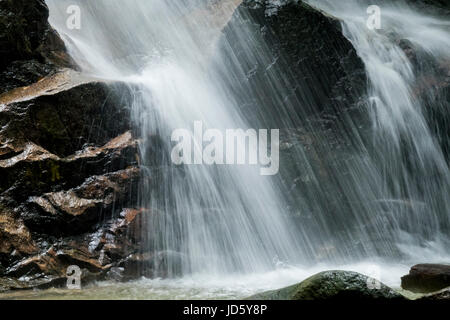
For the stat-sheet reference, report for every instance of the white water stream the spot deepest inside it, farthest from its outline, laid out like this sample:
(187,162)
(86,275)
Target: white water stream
(228,222)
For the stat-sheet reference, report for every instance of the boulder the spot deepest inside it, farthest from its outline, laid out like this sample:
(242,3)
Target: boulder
(318,68)
(333,285)
(426,278)
(62,113)
(303,76)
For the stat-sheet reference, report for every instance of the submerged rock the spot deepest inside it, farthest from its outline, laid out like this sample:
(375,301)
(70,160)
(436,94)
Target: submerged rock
(425,278)
(333,285)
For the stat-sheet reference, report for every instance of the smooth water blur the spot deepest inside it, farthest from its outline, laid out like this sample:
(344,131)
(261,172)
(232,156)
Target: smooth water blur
(389,202)
(220,219)
(408,161)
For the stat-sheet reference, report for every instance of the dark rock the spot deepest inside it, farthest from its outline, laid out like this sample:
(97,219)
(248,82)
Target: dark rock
(431,4)
(78,210)
(99,254)
(152,264)
(425,278)
(318,68)
(29,47)
(333,285)
(68,160)
(47,144)
(48,113)
(69,165)
(301,75)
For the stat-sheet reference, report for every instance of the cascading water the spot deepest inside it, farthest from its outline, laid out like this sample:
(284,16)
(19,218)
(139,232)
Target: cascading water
(228,219)
(221,218)
(409,160)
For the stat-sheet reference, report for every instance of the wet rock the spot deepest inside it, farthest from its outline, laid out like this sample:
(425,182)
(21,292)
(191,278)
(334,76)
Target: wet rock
(29,47)
(47,144)
(68,159)
(319,68)
(15,238)
(431,86)
(429,5)
(69,165)
(425,278)
(99,254)
(302,76)
(333,285)
(77,210)
(64,114)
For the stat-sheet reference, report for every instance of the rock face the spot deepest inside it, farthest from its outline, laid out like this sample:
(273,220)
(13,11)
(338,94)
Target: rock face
(29,47)
(333,285)
(69,160)
(425,278)
(69,167)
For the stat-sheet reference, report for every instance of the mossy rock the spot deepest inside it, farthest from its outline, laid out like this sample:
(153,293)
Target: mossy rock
(333,285)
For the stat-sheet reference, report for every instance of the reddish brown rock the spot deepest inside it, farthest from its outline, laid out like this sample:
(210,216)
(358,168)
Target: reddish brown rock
(63,182)
(425,278)
(95,252)
(68,159)
(15,238)
(78,210)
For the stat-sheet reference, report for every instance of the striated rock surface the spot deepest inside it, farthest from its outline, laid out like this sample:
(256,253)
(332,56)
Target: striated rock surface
(69,167)
(69,160)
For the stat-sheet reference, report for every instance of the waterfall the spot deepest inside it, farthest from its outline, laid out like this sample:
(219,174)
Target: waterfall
(408,155)
(388,199)
(222,218)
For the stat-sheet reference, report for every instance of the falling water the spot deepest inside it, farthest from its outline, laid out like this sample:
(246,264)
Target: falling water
(408,157)
(388,199)
(213,218)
